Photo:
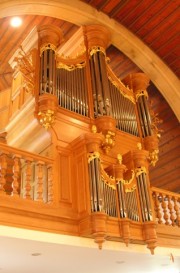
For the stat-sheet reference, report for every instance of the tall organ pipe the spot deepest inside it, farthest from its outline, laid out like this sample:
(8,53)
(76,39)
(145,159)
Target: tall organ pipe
(95,185)
(144,115)
(48,72)
(144,197)
(101,94)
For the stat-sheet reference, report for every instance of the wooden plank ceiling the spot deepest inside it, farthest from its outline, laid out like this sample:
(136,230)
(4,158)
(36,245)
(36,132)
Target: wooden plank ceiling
(155,23)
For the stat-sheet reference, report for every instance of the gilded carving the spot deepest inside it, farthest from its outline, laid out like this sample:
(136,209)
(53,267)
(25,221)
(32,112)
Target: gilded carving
(94,129)
(24,64)
(155,120)
(140,170)
(109,180)
(140,93)
(153,157)
(119,158)
(139,146)
(123,89)
(96,49)
(92,156)
(47,46)
(109,141)
(46,119)
(71,67)
(130,189)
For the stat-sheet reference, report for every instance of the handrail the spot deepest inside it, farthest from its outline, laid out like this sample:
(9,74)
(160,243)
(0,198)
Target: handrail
(166,192)
(12,150)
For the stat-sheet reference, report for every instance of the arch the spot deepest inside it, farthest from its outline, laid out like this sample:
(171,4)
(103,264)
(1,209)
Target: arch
(80,13)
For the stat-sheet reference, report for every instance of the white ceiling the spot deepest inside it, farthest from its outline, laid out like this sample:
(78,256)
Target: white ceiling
(57,257)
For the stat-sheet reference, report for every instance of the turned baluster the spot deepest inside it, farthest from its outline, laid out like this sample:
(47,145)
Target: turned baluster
(40,181)
(177,210)
(158,208)
(171,210)
(3,168)
(28,178)
(165,209)
(50,184)
(16,174)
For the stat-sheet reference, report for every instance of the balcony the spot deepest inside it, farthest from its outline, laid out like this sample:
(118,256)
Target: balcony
(36,195)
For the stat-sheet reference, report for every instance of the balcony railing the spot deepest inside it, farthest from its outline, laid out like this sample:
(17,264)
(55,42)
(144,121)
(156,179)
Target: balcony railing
(25,174)
(167,207)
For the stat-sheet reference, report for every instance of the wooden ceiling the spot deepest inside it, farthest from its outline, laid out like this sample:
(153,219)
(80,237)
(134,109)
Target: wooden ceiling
(155,23)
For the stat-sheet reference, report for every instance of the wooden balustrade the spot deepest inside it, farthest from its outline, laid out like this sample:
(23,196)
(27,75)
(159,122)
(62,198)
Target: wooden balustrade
(30,175)
(167,207)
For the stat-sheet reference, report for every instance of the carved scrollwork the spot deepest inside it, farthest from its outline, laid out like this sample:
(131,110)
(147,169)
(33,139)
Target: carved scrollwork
(155,121)
(109,141)
(71,67)
(140,170)
(95,49)
(109,180)
(46,47)
(153,157)
(140,93)
(46,118)
(92,156)
(24,64)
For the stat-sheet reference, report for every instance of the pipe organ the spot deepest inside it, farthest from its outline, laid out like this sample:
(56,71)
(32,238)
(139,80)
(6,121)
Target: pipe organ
(111,154)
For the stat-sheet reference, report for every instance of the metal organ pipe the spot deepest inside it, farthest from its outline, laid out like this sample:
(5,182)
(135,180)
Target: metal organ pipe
(121,200)
(123,110)
(144,197)
(101,94)
(47,72)
(72,89)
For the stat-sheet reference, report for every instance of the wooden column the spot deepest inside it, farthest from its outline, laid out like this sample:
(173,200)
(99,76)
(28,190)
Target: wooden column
(40,165)
(28,178)
(50,184)
(3,168)
(16,175)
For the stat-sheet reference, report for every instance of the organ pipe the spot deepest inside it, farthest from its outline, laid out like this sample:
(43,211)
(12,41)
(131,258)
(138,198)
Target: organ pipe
(47,72)
(123,110)
(71,86)
(101,93)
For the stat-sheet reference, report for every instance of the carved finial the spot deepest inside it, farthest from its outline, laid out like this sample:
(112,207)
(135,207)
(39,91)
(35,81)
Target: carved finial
(94,129)
(139,146)
(119,158)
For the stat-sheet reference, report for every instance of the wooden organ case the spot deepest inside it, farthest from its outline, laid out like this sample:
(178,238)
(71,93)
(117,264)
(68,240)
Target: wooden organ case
(103,138)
